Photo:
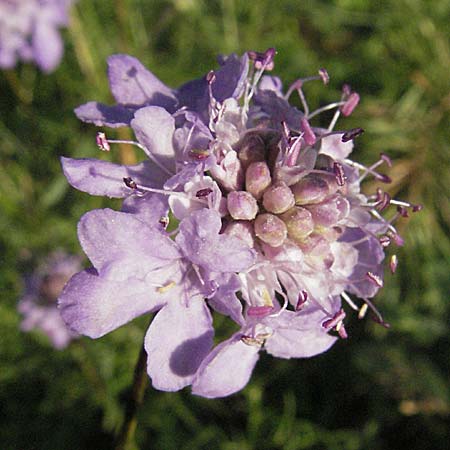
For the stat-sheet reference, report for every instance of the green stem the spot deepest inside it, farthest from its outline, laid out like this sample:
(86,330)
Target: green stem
(126,434)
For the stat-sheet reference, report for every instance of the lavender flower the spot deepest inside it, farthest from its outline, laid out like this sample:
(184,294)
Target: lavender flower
(38,304)
(29,31)
(271,226)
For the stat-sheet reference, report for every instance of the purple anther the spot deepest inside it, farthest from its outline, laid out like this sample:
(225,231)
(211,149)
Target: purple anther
(350,104)
(383,178)
(383,200)
(393,263)
(164,221)
(351,134)
(308,133)
(130,183)
(396,238)
(375,279)
(269,56)
(339,173)
(417,208)
(324,75)
(379,320)
(102,142)
(402,211)
(262,60)
(386,159)
(331,323)
(211,77)
(259,311)
(203,192)
(384,241)
(302,299)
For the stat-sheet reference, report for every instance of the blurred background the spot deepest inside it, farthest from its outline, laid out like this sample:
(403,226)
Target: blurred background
(380,389)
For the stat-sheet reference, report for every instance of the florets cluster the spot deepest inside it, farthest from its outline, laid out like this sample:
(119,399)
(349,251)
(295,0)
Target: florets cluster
(38,305)
(270,225)
(29,30)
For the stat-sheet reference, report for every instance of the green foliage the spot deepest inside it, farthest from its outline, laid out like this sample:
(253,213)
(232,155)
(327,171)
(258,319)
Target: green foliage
(378,390)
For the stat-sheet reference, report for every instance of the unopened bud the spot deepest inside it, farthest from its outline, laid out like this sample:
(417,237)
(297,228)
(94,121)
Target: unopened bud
(299,223)
(330,211)
(270,229)
(313,189)
(242,230)
(257,178)
(278,198)
(242,205)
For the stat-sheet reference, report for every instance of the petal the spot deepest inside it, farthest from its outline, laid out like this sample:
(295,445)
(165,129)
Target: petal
(150,208)
(104,115)
(93,306)
(154,128)
(176,343)
(105,178)
(299,336)
(132,84)
(47,46)
(333,146)
(226,370)
(200,242)
(120,245)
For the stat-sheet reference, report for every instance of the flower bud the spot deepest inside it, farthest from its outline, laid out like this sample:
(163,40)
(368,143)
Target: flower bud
(278,198)
(242,205)
(299,223)
(242,230)
(313,189)
(270,229)
(257,178)
(330,212)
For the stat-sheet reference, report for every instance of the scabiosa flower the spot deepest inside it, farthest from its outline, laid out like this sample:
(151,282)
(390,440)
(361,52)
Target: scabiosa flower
(38,305)
(29,30)
(270,225)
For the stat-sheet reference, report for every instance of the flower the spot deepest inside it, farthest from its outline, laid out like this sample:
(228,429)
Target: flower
(29,31)
(270,224)
(38,304)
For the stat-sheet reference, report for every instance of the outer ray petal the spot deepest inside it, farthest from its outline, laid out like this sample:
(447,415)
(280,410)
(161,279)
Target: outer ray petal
(226,370)
(93,306)
(176,343)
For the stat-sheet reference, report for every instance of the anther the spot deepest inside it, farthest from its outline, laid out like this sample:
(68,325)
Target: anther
(396,238)
(386,159)
(130,183)
(259,311)
(351,134)
(375,279)
(308,133)
(339,173)
(302,299)
(402,211)
(350,104)
(417,208)
(102,142)
(363,310)
(199,154)
(324,75)
(334,321)
(254,342)
(393,263)
(203,192)
(211,77)
(384,241)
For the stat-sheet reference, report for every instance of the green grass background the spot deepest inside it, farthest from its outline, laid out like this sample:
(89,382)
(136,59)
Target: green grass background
(379,389)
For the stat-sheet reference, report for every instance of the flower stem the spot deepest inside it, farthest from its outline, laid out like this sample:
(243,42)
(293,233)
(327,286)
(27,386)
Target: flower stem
(126,435)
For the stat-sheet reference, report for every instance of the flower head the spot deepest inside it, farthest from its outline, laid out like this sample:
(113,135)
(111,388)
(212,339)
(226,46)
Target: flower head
(42,288)
(29,31)
(273,228)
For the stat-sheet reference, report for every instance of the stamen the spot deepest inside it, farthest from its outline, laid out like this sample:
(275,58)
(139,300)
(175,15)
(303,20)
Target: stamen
(393,263)
(350,104)
(386,159)
(252,341)
(167,287)
(199,154)
(384,241)
(378,318)
(308,133)
(396,238)
(351,134)
(375,279)
(340,328)
(203,192)
(363,311)
(130,183)
(331,323)
(347,298)
(320,110)
(324,75)
(339,173)
(102,142)
(302,299)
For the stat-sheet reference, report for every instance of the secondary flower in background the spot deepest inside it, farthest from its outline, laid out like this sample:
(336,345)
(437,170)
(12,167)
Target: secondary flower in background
(38,305)
(229,161)
(29,31)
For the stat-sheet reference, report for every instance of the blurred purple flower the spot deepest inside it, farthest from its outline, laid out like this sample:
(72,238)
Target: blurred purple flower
(38,305)
(229,161)
(29,32)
